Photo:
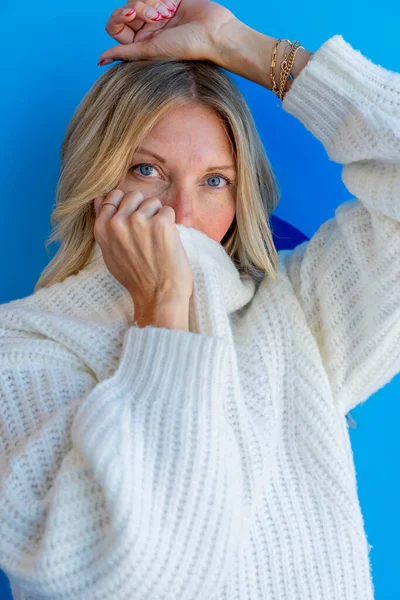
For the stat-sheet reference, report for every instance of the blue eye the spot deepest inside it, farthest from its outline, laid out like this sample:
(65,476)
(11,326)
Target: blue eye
(146,170)
(215,178)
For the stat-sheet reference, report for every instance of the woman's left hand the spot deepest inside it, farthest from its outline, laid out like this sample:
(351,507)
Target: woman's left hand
(191,34)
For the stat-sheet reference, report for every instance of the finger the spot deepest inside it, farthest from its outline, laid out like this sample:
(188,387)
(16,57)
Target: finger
(122,25)
(131,203)
(153,10)
(139,25)
(117,25)
(97,203)
(138,50)
(148,208)
(107,211)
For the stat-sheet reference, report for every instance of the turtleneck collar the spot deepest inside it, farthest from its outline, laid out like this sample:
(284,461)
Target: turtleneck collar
(93,303)
(218,287)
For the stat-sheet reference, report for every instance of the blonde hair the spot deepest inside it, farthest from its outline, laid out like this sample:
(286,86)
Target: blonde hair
(107,127)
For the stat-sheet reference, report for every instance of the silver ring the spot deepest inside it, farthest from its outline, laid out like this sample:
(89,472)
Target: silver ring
(109,203)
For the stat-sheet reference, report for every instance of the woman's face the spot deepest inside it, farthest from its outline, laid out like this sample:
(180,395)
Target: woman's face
(191,172)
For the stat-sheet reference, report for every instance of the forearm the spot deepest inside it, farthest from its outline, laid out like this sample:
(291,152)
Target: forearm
(248,53)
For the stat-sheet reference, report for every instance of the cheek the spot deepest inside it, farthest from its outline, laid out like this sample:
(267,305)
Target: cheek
(222,209)
(216,221)
(150,186)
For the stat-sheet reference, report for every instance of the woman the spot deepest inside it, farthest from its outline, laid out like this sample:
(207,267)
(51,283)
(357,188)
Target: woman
(174,393)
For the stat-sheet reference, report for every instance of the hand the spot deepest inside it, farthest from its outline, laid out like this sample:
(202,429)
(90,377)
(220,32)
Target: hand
(190,34)
(142,249)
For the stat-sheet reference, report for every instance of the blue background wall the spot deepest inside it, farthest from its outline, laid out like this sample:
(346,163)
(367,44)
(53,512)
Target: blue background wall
(48,62)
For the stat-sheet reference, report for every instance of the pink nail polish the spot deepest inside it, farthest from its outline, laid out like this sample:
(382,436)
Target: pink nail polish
(128,14)
(158,17)
(104,61)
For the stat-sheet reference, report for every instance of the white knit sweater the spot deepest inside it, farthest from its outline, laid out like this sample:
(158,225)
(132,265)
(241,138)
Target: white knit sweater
(215,464)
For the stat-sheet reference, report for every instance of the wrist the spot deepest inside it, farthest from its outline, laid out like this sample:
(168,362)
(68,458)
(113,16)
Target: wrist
(248,53)
(239,48)
(166,312)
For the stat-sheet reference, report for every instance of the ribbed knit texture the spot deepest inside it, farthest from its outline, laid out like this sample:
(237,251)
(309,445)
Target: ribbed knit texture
(214,464)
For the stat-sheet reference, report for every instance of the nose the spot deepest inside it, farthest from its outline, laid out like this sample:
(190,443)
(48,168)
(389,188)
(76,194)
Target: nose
(182,201)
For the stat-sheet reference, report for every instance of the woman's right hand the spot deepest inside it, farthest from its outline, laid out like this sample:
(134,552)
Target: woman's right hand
(192,31)
(142,249)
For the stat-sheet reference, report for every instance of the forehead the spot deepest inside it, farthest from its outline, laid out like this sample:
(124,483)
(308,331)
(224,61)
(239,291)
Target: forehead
(189,129)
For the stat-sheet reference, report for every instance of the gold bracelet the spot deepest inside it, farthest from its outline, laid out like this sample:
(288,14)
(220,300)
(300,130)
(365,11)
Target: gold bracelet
(275,88)
(286,68)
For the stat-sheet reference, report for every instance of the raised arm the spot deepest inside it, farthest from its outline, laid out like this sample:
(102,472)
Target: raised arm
(346,278)
(248,53)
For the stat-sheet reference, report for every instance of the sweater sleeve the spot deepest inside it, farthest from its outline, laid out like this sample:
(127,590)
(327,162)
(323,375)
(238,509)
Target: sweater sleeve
(127,488)
(347,276)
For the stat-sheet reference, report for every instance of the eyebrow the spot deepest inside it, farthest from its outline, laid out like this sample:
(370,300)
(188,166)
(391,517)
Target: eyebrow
(142,150)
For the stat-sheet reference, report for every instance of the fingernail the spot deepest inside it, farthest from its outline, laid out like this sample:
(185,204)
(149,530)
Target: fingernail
(104,61)
(151,13)
(128,12)
(164,10)
(170,4)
